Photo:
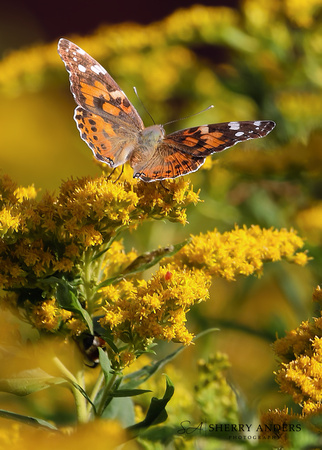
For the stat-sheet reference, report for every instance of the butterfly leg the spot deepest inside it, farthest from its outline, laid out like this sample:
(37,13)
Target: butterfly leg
(164,187)
(119,176)
(111,173)
(113,170)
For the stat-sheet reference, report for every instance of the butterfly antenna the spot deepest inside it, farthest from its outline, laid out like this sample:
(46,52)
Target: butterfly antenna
(188,117)
(136,93)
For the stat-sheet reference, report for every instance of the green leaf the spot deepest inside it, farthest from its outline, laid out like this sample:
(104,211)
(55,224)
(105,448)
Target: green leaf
(121,409)
(105,364)
(129,392)
(156,413)
(28,420)
(29,381)
(144,262)
(140,376)
(68,300)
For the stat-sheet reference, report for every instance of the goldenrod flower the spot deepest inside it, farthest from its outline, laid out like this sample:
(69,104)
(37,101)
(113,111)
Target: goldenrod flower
(157,308)
(24,193)
(300,373)
(48,316)
(52,234)
(241,251)
(76,326)
(8,221)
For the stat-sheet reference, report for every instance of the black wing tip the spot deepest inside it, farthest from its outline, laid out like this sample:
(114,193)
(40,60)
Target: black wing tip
(271,124)
(264,127)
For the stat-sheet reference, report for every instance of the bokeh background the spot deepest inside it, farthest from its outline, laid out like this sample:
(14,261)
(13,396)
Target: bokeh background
(252,60)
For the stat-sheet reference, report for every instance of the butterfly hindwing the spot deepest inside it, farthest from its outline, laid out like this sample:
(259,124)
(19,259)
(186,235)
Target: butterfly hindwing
(166,162)
(107,143)
(94,89)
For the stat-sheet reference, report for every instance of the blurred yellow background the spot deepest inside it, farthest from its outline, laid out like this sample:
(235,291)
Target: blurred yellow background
(260,60)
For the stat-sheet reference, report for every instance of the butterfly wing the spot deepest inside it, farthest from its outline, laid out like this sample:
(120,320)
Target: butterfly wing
(208,139)
(94,89)
(185,151)
(105,118)
(166,161)
(108,143)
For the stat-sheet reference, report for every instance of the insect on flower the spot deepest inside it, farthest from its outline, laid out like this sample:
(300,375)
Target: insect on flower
(113,129)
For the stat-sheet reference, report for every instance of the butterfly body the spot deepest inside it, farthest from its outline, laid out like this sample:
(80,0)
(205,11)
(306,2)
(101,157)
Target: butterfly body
(113,129)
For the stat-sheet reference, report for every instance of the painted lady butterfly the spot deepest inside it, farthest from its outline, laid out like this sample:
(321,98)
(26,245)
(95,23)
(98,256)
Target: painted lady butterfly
(113,129)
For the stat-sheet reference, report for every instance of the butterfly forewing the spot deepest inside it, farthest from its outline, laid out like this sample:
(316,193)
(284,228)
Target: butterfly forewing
(94,89)
(207,139)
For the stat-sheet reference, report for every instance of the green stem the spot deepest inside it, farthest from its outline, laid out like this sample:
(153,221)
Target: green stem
(94,392)
(106,394)
(80,400)
(88,290)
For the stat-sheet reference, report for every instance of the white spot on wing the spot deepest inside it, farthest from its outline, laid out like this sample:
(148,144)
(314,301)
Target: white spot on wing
(204,129)
(257,123)
(239,133)
(81,51)
(117,94)
(81,68)
(98,69)
(234,125)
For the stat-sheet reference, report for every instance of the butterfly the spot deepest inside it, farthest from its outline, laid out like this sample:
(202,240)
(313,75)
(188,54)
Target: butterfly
(112,128)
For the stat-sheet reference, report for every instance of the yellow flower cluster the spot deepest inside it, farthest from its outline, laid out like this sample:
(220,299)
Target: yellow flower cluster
(241,251)
(138,311)
(46,315)
(72,235)
(50,236)
(300,352)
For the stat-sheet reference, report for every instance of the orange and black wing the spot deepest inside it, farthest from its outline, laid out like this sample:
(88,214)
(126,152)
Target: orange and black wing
(94,89)
(185,151)
(208,139)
